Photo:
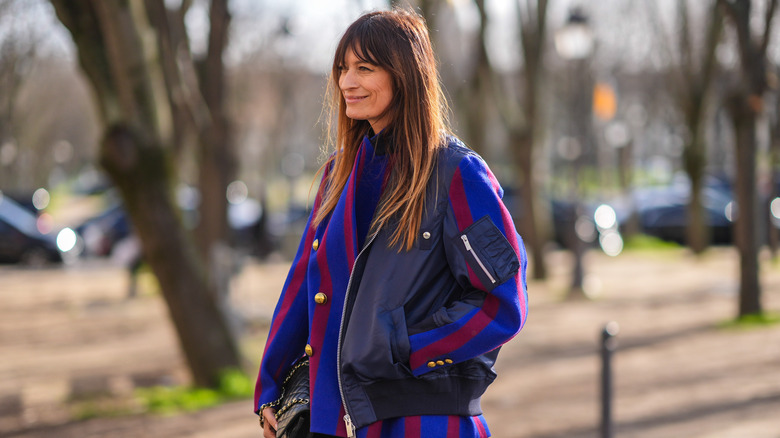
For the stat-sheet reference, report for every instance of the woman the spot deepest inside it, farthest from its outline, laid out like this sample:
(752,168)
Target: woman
(410,273)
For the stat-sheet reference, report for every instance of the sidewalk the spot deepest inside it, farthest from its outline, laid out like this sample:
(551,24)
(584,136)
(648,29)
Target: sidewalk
(676,373)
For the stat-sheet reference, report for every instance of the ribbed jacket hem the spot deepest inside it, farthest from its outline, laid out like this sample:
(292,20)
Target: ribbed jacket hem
(448,395)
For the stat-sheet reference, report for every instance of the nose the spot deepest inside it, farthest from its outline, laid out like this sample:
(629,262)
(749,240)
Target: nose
(347,79)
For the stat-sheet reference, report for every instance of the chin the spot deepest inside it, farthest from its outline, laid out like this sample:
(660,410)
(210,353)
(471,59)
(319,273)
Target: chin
(355,116)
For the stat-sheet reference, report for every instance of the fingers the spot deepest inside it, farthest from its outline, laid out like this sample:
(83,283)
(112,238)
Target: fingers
(270,417)
(269,428)
(268,432)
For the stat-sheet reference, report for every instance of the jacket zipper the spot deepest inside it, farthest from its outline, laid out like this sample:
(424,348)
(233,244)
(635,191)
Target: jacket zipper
(465,240)
(347,417)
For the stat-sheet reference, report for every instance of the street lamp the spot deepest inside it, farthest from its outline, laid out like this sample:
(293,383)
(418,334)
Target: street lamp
(575,43)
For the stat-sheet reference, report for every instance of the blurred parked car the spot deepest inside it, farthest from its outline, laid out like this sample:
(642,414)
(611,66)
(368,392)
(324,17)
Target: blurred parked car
(23,199)
(595,223)
(102,232)
(662,211)
(25,238)
(284,228)
(248,227)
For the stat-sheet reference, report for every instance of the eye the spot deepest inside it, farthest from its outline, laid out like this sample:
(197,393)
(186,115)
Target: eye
(365,68)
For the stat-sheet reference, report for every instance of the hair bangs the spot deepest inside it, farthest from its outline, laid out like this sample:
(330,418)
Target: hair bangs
(367,38)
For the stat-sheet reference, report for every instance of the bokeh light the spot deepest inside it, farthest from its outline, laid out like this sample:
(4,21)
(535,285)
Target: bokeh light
(237,192)
(611,243)
(585,229)
(66,240)
(774,207)
(41,198)
(605,217)
(44,223)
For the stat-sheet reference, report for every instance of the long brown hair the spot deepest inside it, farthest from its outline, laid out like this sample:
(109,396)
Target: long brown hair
(398,41)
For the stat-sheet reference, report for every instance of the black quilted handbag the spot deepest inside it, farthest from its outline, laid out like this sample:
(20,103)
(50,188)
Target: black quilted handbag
(293,415)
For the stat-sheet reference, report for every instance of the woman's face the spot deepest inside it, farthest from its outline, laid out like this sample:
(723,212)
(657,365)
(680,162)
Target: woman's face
(367,90)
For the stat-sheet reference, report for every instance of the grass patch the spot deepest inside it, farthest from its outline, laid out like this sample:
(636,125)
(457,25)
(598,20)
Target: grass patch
(103,408)
(755,320)
(643,242)
(233,385)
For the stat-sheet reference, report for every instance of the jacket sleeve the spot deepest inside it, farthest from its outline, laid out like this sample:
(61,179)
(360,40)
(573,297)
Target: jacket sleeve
(487,258)
(290,323)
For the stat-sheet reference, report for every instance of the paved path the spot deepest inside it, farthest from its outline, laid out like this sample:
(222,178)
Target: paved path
(68,338)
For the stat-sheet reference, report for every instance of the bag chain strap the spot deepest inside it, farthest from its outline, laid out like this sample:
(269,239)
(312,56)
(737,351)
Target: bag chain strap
(292,402)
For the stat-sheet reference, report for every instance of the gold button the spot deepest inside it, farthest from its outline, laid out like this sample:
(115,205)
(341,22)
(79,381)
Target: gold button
(315,245)
(439,362)
(448,360)
(426,235)
(309,351)
(431,364)
(320,298)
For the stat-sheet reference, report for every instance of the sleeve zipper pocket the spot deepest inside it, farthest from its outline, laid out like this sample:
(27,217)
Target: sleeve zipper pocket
(465,240)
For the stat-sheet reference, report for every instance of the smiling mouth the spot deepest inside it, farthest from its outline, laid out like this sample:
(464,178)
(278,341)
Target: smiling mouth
(353,99)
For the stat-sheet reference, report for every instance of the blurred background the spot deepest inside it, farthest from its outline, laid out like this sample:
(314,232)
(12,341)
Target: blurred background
(158,159)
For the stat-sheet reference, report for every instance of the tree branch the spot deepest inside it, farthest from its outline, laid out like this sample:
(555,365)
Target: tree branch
(185,7)
(768,26)
(541,21)
(711,44)
(666,41)
(686,48)
(730,7)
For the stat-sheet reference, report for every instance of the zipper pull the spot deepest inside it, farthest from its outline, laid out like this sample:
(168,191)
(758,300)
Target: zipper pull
(350,426)
(465,240)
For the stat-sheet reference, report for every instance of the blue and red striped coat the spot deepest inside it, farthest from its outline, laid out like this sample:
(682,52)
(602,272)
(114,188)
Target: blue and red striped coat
(402,340)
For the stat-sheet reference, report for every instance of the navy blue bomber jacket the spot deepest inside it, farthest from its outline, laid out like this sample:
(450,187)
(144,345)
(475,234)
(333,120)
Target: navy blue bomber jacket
(399,333)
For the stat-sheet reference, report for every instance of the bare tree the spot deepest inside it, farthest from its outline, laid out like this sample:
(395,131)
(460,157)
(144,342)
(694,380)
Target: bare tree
(692,77)
(524,130)
(137,151)
(745,105)
(521,117)
(472,97)
(482,88)
(196,90)
(481,91)
(17,54)
(217,161)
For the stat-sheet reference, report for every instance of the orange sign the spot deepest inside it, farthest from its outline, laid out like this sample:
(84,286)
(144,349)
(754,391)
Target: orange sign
(604,101)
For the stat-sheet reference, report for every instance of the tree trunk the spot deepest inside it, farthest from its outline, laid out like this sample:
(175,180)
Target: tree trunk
(172,41)
(577,247)
(140,171)
(196,91)
(12,63)
(531,228)
(692,78)
(136,151)
(745,104)
(217,161)
(625,154)
(746,225)
(773,235)
(697,231)
(474,98)
(519,119)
